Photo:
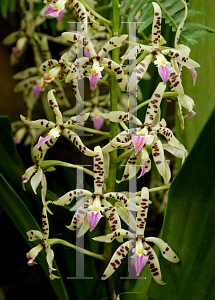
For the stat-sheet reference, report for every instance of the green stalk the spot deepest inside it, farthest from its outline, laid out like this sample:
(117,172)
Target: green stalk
(113,131)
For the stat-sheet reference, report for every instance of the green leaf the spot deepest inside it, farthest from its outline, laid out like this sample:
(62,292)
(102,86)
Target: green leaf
(13,199)
(132,295)
(204,90)
(24,221)
(189,226)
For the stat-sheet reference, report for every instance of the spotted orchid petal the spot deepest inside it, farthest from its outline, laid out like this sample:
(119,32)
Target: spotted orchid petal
(97,122)
(153,263)
(117,69)
(138,142)
(50,258)
(156,26)
(153,107)
(68,197)
(190,115)
(26,73)
(132,53)
(121,141)
(194,74)
(94,79)
(75,139)
(54,106)
(180,55)
(34,235)
(123,199)
(164,72)
(80,215)
(98,167)
(158,156)
(108,238)
(93,218)
(113,43)
(176,152)
(127,217)
(78,38)
(53,73)
(116,260)
(47,66)
(139,71)
(41,123)
(119,116)
(112,217)
(165,249)
(180,26)
(40,152)
(26,84)
(172,141)
(131,168)
(77,120)
(142,215)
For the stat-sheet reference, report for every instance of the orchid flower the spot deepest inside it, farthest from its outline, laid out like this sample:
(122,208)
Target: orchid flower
(143,137)
(143,252)
(94,204)
(57,9)
(20,45)
(57,129)
(45,244)
(97,62)
(164,67)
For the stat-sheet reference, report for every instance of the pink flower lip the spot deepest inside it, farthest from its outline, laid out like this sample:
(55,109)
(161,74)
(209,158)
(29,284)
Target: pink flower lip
(61,13)
(93,218)
(190,115)
(139,142)
(86,53)
(36,89)
(98,122)
(43,140)
(94,79)
(51,11)
(15,52)
(164,72)
(194,74)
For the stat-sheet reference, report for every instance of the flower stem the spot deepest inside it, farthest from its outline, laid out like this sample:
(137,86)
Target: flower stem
(95,13)
(114,131)
(65,243)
